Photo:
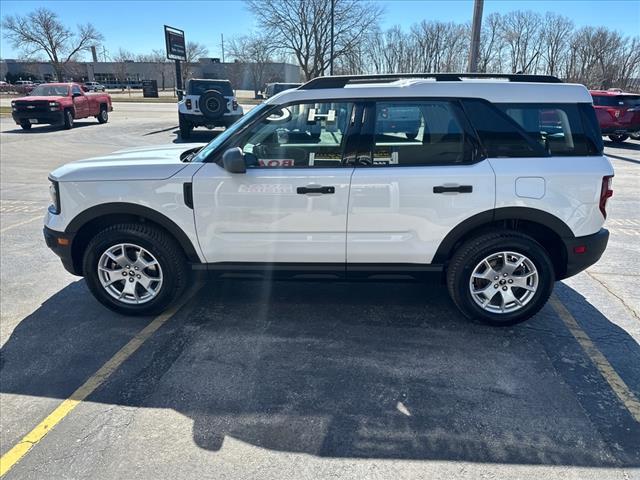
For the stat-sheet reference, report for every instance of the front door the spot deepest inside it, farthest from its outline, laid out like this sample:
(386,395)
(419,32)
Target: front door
(80,102)
(291,204)
(416,181)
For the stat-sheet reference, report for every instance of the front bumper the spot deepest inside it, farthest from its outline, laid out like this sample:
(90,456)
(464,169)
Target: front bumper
(60,243)
(592,246)
(41,117)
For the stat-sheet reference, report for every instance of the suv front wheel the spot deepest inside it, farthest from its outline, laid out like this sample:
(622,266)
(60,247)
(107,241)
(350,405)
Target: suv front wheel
(500,278)
(135,269)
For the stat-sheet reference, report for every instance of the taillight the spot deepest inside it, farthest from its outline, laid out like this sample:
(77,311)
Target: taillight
(606,192)
(234,103)
(188,103)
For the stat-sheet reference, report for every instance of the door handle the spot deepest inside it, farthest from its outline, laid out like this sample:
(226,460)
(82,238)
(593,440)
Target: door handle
(453,189)
(317,189)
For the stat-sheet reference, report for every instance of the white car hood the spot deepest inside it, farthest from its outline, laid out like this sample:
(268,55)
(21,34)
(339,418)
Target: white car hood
(147,163)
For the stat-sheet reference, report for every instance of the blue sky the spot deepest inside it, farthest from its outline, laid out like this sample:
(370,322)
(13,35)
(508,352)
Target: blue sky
(137,26)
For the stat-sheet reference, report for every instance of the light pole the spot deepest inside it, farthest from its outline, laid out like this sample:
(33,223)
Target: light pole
(331,49)
(475,36)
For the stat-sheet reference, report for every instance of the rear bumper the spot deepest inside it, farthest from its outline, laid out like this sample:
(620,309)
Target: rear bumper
(620,128)
(594,246)
(201,120)
(60,243)
(41,117)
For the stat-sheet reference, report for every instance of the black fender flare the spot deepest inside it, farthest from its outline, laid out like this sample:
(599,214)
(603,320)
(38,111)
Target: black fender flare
(123,208)
(491,216)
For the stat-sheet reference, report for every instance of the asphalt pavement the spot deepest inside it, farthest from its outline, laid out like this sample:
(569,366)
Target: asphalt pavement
(297,380)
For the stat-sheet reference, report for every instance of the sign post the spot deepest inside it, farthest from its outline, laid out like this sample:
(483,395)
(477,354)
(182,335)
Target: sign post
(176,50)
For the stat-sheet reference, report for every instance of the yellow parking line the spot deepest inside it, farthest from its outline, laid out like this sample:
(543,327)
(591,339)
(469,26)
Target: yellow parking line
(40,217)
(13,456)
(616,383)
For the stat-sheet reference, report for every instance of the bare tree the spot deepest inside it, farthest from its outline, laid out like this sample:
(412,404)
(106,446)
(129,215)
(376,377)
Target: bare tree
(556,32)
(491,47)
(122,60)
(521,34)
(161,65)
(256,52)
(41,31)
(194,52)
(303,27)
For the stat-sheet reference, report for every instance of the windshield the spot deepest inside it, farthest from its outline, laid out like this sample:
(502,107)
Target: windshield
(50,91)
(617,101)
(229,132)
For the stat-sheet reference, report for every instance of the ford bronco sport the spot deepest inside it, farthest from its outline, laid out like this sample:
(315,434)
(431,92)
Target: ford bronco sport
(209,103)
(499,184)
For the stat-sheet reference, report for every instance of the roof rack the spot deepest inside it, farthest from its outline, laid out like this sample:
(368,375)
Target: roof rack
(340,81)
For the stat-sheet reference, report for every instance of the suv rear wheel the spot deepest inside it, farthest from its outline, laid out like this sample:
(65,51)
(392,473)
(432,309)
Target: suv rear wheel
(500,278)
(135,269)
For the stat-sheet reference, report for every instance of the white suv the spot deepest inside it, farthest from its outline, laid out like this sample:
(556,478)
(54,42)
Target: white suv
(209,103)
(498,183)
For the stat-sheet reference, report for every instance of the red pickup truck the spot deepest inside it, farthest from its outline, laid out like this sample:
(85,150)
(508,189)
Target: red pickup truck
(59,103)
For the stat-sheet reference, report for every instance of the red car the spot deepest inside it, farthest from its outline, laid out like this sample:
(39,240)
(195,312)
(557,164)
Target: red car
(59,103)
(618,113)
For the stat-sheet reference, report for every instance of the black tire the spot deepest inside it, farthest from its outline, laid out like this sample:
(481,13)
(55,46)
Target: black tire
(25,125)
(212,104)
(635,135)
(185,127)
(68,120)
(411,135)
(156,241)
(471,253)
(618,138)
(103,116)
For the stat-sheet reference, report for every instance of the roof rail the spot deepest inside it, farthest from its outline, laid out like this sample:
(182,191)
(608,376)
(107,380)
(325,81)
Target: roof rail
(340,81)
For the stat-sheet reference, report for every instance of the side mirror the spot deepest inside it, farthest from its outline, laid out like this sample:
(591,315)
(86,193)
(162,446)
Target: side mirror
(76,94)
(233,161)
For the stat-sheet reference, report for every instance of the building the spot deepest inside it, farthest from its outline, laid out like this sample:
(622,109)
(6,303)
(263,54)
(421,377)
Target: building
(120,74)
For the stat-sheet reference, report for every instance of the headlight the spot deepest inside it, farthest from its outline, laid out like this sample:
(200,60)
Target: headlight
(54,106)
(54,193)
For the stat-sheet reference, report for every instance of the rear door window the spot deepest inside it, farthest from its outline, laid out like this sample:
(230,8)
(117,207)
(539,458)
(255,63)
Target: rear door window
(418,133)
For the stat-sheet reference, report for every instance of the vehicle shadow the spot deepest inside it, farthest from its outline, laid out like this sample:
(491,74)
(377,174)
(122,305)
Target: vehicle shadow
(35,129)
(198,136)
(361,370)
(627,145)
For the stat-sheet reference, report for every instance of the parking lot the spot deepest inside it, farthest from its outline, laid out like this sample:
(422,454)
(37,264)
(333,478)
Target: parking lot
(286,380)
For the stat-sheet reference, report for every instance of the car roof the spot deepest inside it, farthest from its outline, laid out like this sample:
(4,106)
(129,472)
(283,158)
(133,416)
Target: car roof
(498,91)
(224,80)
(610,93)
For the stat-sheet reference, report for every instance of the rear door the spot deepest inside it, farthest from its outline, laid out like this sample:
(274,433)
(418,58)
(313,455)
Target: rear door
(291,204)
(416,180)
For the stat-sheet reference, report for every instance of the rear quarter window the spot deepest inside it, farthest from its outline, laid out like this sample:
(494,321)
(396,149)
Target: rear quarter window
(555,127)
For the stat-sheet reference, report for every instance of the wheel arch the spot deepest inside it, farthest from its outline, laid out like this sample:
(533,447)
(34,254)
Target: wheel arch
(89,222)
(547,229)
